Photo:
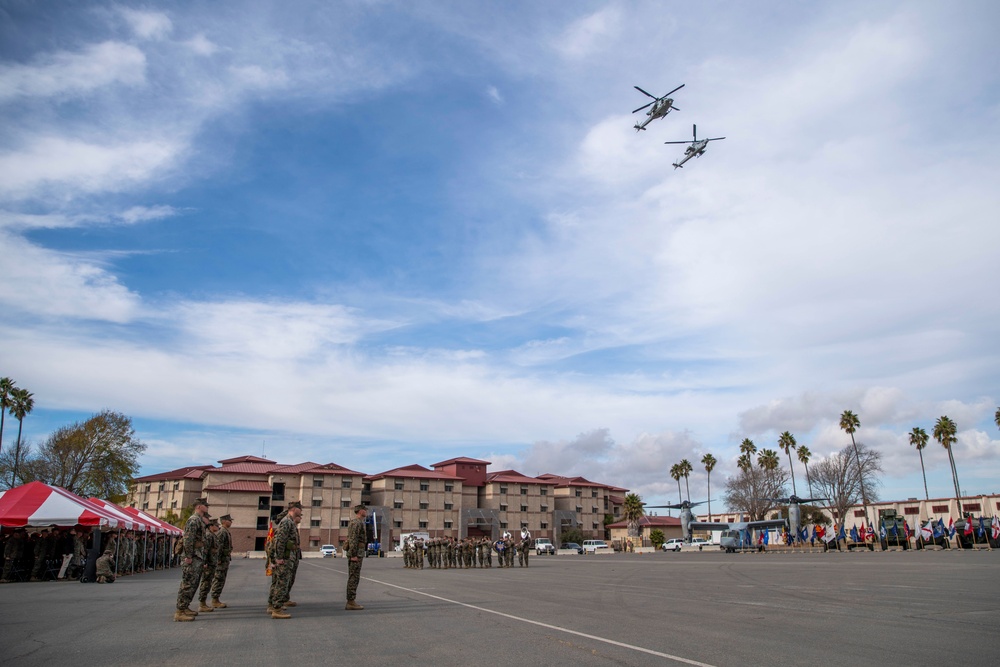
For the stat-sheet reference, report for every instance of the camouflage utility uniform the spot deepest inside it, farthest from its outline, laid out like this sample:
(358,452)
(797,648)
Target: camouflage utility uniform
(356,543)
(208,569)
(225,544)
(286,548)
(193,548)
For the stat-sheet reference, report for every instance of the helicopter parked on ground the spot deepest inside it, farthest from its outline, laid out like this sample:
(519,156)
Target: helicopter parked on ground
(661,106)
(740,529)
(696,149)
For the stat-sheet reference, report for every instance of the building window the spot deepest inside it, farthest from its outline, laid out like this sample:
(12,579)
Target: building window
(314,542)
(503,525)
(594,510)
(423,506)
(503,507)
(424,486)
(593,494)
(278,491)
(423,524)
(911,510)
(971,507)
(544,525)
(344,523)
(159,504)
(544,492)
(595,526)
(448,506)
(449,488)
(545,508)
(397,524)
(317,482)
(173,505)
(397,505)
(263,503)
(579,509)
(503,490)
(399,486)
(524,508)
(177,486)
(262,523)
(345,484)
(366,487)
(447,524)
(148,486)
(859,513)
(162,486)
(317,502)
(345,503)
(524,490)
(314,523)
(145,506)
(579,493)
(935,509)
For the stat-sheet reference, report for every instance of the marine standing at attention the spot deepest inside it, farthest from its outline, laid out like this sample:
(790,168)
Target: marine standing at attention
(211,561)
(193,553)
(356,544)
(225,544)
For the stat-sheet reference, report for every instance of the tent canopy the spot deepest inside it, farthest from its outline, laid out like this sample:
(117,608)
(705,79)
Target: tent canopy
(39,504)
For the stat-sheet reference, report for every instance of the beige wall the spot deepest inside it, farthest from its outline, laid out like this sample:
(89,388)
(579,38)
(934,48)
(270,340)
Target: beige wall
(520,505)
(436,510)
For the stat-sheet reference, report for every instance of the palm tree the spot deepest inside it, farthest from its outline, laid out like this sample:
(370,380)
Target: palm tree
(849,422)
(7,386)
(996,417)
(709,462)
(685,470)
(747,447)
(21,404)
(632,512)
(804,456)
(918,438)
(768,460)
(675,472)
(786,441)
(944,432)
(747,450)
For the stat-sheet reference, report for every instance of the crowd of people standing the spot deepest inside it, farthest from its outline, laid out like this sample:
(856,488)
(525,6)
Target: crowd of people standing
(448,553)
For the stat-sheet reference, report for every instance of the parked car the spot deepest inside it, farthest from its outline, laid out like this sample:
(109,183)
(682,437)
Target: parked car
(328,551)
(574,546)
(543,545)
(595,546)
(676,543)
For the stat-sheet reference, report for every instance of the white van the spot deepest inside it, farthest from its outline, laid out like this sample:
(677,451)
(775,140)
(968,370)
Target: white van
(595,546)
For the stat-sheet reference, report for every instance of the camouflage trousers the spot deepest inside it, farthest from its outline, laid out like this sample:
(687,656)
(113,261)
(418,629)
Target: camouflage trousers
(282,578)
(190,577)
(353,578)
(207,574)
(219,580)
(527,552)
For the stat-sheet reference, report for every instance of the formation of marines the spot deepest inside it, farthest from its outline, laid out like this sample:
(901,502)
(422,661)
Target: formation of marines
(448,553)
(201,552)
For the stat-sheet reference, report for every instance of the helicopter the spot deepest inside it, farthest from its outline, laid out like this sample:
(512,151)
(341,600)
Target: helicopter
(740,530)
(661,107)
(696,148)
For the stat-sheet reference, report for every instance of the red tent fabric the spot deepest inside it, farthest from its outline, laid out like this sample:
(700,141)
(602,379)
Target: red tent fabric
(38,504)
(139,524)
(164,527)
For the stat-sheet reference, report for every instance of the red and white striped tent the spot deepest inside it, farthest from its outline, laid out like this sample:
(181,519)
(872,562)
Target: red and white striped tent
(167,528)
(139,524)
(38,504)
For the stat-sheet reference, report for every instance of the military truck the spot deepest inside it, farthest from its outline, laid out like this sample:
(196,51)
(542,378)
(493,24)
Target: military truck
(893,538)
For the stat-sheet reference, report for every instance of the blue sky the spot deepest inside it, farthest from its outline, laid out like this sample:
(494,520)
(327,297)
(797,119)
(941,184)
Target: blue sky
(383,233)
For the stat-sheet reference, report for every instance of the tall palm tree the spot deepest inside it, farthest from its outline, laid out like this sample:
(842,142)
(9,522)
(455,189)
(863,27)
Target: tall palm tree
(632,512)
(918,438)
(850,423)
(768,459)
(804,456)
(709,462)
(747,450)
(21,404)
(786,441)
(747,447)
(944,432)
(675,472)
(686,468)
(6,387)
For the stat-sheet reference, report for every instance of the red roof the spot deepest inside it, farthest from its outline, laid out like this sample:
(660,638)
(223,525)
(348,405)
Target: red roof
(460,459)
(415,472)
(514,477)
(246,459)
(248,468)
(658,521)
(253,485)
(559,480)
(189,472)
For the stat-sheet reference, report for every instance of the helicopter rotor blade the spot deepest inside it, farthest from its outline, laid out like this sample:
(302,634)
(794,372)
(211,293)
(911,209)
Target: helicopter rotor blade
(695,130)
(645,93)
(674,90)
(678,142)
(674,108)
(643,107)
(715,139)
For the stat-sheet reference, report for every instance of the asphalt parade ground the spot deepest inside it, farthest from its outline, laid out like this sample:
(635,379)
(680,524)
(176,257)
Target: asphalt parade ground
(866,608)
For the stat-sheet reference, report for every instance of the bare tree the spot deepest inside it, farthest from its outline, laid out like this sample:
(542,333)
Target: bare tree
(751,490)
(837,477)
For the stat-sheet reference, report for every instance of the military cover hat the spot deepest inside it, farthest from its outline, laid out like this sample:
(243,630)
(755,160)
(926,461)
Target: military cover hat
(201,501)
(295,503)
(358,508)
(225,517)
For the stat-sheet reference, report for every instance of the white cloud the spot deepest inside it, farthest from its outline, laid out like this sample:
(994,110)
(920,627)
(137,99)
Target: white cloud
(202,45)
(494,94)
(590,34)
(144,213)
(66,167)
(64,73)
(148,25)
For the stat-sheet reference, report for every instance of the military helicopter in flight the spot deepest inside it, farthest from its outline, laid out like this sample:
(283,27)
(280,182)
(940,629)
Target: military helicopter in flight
(696,149)
(734,534)
(661,107)
(794,511)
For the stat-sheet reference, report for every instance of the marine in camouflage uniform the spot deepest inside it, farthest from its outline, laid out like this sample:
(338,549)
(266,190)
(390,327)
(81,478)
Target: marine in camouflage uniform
(508,552)
(193,559)
(285,554)
(13,551)
(105,573)
(355,553)
(211,561)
